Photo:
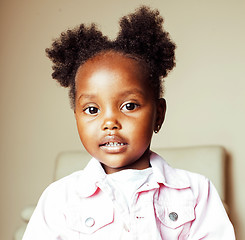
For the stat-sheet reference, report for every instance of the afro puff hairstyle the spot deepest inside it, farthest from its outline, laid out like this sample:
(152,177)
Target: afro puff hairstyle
(141,35)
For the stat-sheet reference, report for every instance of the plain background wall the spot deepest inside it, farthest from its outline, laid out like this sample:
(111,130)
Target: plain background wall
(205,92)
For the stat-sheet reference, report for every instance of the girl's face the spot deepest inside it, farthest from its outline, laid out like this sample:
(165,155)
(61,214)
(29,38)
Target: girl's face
(116,112)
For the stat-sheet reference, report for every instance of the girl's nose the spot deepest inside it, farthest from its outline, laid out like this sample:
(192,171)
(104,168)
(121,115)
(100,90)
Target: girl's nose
(111,124)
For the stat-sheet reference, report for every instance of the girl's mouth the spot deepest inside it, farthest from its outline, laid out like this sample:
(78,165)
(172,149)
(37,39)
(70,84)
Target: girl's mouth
(113,144)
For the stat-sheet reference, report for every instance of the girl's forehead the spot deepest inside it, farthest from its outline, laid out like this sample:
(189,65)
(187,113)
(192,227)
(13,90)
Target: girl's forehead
(111,72)
(112,62)
(111,58)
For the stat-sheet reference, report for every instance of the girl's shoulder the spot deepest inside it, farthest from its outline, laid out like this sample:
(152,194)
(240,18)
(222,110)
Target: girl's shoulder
(63,187)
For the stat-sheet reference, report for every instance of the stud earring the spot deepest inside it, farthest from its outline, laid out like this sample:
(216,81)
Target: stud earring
(157,129)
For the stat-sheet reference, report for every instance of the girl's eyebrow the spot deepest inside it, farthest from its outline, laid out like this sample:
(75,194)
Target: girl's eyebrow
(134,91)
(87,96)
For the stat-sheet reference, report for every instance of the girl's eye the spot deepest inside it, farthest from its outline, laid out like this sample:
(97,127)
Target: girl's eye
(130,106)
(91,110)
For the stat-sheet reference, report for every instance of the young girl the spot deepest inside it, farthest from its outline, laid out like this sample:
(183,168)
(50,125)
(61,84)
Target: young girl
(126,191)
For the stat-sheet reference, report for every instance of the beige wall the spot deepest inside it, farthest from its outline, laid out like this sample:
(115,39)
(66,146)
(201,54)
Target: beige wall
(205,93)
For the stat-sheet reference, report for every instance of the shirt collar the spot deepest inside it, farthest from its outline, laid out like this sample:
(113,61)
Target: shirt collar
(165,174)
(91,176)
(94,175)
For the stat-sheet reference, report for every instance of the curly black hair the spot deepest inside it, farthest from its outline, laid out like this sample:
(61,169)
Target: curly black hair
(141,35)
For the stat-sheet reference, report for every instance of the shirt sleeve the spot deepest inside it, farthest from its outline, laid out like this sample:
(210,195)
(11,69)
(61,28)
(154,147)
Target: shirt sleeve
(37,227)
(47,217)
(211,221)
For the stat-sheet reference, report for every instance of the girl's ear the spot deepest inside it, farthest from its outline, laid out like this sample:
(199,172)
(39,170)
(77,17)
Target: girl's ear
(161,110)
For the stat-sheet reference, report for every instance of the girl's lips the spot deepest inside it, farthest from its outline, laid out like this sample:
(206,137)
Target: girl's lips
(113,144)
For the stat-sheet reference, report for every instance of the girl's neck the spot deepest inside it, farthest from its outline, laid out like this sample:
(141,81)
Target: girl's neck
(142,163)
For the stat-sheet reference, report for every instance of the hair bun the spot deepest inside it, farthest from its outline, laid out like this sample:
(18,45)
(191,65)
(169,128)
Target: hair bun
(142,33)
(71,49)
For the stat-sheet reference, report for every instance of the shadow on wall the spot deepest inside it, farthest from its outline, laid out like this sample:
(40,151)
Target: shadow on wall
(229,189)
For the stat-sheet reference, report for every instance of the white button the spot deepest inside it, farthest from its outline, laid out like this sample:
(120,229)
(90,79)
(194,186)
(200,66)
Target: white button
(89,222)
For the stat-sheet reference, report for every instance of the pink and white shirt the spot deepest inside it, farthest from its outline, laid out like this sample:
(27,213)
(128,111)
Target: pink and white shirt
(167,203)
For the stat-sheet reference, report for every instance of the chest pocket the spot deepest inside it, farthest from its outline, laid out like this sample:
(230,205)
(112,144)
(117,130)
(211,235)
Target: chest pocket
(90,215)
(174,215)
